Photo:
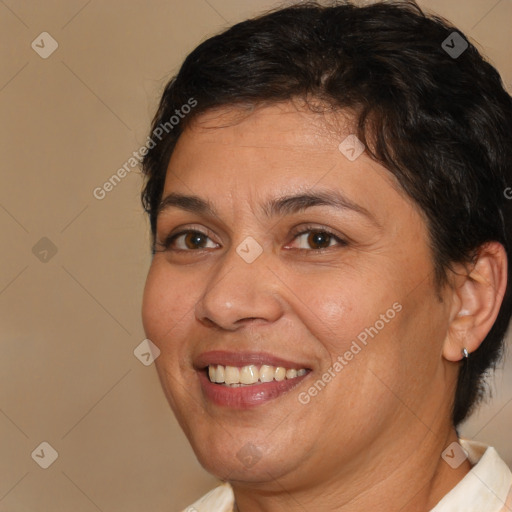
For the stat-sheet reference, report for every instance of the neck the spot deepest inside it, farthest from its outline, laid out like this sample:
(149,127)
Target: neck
(407,478)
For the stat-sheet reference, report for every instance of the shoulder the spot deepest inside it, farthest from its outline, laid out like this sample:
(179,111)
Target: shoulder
(220,499)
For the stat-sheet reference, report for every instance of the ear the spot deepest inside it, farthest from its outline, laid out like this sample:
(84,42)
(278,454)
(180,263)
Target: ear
(477,296)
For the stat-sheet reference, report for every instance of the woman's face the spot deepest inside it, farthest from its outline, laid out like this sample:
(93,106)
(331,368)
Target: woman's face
(339,288)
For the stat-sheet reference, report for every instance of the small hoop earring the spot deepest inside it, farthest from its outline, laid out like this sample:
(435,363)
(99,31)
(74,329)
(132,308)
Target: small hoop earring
(465,353)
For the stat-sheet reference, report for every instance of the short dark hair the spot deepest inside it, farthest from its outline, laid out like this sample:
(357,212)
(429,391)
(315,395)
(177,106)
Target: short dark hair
(441,123)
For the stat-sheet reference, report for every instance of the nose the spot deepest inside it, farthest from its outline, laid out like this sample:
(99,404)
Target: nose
(239,292)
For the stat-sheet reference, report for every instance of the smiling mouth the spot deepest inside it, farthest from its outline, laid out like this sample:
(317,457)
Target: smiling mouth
(251,375)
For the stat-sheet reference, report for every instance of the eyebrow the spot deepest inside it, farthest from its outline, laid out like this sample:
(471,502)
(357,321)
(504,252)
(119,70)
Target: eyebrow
(281,206)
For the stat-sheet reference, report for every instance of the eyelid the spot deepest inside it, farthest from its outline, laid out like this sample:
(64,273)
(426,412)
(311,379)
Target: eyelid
(295,233)
(183,230)
(302,229)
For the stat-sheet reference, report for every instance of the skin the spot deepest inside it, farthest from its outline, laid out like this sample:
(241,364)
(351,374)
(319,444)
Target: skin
(372,438)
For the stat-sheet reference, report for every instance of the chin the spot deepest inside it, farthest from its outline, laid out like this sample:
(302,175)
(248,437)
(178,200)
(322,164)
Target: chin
(245,459)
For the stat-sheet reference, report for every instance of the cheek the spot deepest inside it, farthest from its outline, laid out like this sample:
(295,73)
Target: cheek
(337,314)
(164,317)
(165,306)
(152,307)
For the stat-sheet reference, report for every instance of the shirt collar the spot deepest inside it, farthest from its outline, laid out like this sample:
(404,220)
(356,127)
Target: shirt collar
(486,488)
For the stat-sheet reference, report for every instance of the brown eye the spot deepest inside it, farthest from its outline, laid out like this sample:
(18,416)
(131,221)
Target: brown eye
(194,240)
(318,239)
(188,240)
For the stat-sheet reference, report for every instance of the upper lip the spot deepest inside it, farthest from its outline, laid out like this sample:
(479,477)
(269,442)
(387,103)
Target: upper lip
(243,358)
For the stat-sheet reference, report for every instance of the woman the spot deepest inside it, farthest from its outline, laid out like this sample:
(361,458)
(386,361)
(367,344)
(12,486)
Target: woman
(331,249)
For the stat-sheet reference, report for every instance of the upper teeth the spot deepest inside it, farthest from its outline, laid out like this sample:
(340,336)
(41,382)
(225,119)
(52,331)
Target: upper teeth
(251,374)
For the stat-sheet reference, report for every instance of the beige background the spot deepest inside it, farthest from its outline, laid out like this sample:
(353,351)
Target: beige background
(70,324)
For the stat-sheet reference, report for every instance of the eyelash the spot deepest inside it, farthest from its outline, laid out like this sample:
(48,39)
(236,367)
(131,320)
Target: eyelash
(305,229)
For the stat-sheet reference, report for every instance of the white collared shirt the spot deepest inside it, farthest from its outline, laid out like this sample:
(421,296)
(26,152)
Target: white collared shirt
(486,488)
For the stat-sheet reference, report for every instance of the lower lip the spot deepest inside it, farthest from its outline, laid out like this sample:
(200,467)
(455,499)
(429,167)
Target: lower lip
(243,397)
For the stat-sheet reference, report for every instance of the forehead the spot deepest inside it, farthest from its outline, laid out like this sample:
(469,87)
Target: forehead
(232,155)
(296,124)
(279,144)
